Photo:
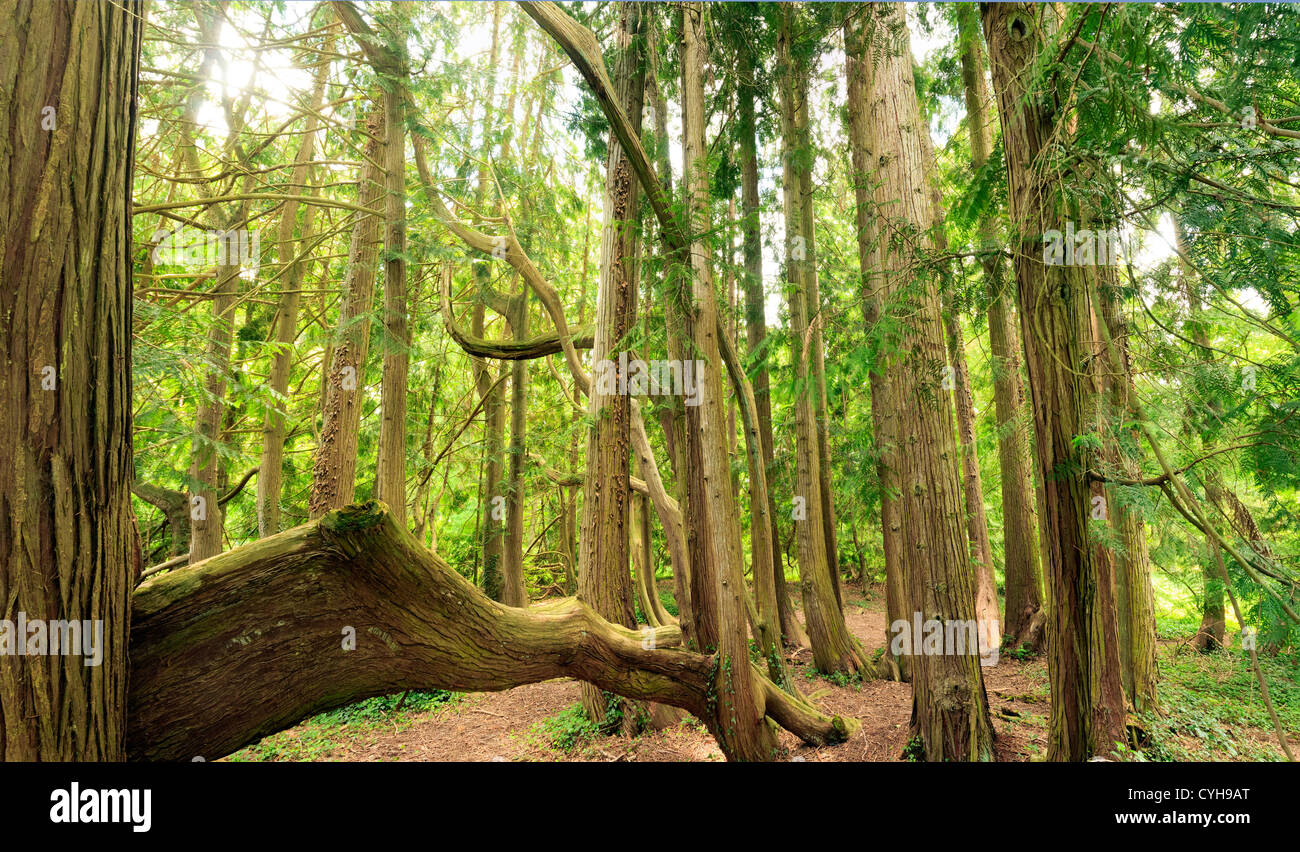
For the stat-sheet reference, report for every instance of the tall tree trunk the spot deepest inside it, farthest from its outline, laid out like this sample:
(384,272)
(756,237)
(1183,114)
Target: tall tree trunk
(834,648)
(390,481)
(949,706)
(207,517)
(1133,592)
(671,414)
(1210,635)
(762,536)
(716,558)
(206,465)
(334,470)
(1023,615)
(977,530)
(740,694)
(270,480)
(386,53)
(792,631)
(643,559)
(604,580)
(491,511)
(69,547)
(884,413)
(803,165)
(1088,710)
(513,592)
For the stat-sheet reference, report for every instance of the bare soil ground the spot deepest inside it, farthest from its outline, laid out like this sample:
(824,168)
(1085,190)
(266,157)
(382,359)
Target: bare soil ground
(507,726)
(1211,714)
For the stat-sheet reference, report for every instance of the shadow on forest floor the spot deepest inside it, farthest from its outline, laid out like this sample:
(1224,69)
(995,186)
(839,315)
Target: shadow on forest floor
(1211,705)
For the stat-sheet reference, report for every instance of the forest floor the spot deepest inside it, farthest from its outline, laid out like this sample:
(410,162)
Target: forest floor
(1211,710)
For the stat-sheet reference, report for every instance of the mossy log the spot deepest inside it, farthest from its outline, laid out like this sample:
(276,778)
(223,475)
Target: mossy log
(350,606)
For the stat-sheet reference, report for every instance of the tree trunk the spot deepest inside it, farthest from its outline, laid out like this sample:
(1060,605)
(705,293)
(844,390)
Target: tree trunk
(1210,635)
(492,501)
(761,531)
(884,413)
(513,592)
(803,162)
(270,480)
(1088,711)
(1134,595)
(792,632)
(949,706)
(671,414)
(834,648)
(334,470)
(604,581)
(1022,570)
(352,606)
(386,54)
(977,530)
(643,560)
(207,518)
(716,551)
(390,481)
(69,548)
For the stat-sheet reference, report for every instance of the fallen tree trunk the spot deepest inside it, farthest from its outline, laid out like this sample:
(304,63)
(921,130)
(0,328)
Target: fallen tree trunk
(351,606)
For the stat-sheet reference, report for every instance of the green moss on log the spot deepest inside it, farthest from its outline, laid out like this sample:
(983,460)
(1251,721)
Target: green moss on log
(358,516)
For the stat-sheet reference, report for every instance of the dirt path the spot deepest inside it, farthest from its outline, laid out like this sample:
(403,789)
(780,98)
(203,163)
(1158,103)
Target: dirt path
(509,725)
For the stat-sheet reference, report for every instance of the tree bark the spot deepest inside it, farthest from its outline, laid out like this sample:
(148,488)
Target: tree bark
(884,413)
(387,56)
(334,469)
(834,648)
(716,554)
(762,534)
(803,163)
(977,531)
(1022,571)
(1134,595)
(792,632)
(1088,710)
(69,548)
(604,581)
(1211,633)
(390,481)
(512,564)
(949,706)
(278,617)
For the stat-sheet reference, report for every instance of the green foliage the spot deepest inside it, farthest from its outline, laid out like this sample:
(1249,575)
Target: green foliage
(567,729)
(914,751)
(382,707)
(1208,700)
(1021,654)
(322,734)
